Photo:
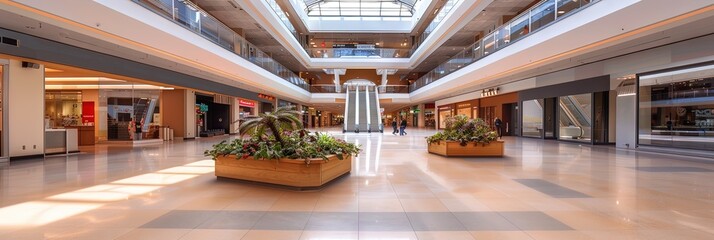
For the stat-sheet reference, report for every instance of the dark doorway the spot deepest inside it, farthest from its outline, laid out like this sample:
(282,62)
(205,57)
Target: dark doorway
(549,123)
(510,119)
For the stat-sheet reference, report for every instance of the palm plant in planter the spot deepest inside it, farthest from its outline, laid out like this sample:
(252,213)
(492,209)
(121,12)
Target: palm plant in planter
(459,132)
(286,144)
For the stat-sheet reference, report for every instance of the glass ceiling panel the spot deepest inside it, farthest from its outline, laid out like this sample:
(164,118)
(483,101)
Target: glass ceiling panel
(362,8)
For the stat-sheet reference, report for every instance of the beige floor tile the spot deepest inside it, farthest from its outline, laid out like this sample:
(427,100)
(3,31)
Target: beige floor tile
(506,204)
(91,233)
(453,235)
(500,235)
(380,205)
(387,236)
(464,205)
(337,204)
(250,203)
(207,203)
(152,234)
(329,235)
(214,234)
(295,204)
(423,205)
(570,235)
(272,235)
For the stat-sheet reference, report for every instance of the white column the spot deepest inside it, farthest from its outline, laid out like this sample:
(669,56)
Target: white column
(190,105)
(337,81)
(347,104)
(26,109)
(420,116)
(379,110)
(366,95)
(356,105)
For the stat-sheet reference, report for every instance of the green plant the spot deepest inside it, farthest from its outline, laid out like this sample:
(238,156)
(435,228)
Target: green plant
(284,142)
(283,118)
(464,130)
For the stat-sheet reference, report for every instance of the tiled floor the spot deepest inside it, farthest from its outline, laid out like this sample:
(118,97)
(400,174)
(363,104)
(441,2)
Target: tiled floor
(396,190)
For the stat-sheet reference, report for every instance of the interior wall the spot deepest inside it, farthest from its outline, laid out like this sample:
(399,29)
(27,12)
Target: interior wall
(26,100)
(173,111)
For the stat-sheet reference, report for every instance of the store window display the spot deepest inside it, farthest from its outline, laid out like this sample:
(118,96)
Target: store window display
(677,112)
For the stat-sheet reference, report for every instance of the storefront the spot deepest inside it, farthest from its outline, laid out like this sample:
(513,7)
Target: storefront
(503,107)
(246,108)
(676,108)
(429,115)
(213,115)
(444,112)
(573,111)
(100,108)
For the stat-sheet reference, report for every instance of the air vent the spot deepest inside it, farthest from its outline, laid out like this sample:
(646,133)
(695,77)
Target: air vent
(10,41)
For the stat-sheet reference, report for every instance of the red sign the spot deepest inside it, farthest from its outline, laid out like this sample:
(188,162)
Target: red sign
(245,103)
(88,112)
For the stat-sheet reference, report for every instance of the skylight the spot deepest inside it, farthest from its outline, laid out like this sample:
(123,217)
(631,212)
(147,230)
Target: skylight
(360,8)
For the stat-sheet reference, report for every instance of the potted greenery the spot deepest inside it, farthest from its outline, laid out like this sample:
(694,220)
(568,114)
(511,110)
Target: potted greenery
(465,137)
(278,151)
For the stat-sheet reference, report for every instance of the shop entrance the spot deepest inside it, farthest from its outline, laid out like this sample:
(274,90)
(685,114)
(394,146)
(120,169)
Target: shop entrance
(510,119)
(211,118)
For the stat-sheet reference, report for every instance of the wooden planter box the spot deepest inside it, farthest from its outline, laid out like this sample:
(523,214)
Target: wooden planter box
(454,149)
(287,172)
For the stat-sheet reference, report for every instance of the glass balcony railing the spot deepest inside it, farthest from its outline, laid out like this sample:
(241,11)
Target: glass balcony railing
(283,18)
(190,16)
(537,17)
(330,88)
(358,52)
(448,6)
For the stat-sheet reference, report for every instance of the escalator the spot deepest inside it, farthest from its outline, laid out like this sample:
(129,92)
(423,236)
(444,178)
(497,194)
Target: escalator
(362,111)
(575,121)
(375,117)
(362,124)
(350,107)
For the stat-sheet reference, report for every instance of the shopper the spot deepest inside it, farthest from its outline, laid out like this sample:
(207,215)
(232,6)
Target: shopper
(394,125)
(498,124)
(403,126)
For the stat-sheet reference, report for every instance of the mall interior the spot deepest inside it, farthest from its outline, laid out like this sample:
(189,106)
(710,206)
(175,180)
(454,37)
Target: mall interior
(603,111)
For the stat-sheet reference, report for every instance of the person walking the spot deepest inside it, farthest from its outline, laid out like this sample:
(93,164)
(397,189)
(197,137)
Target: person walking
(403,126)
(498,124)
(394,125)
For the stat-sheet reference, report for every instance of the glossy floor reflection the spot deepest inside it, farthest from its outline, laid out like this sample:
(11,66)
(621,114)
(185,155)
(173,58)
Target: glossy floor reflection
(396,190)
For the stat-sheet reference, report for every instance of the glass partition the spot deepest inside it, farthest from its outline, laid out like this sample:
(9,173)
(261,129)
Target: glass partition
(533,118)
(575,117)
(128,111)
(520,26)
(677,112)
(63,109)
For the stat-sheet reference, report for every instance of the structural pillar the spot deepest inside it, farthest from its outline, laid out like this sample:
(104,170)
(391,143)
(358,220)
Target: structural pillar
(25,91)
(420,116)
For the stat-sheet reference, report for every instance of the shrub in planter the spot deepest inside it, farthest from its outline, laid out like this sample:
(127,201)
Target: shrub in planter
(465,137)
(464,130)
(286,139)
(277,137)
